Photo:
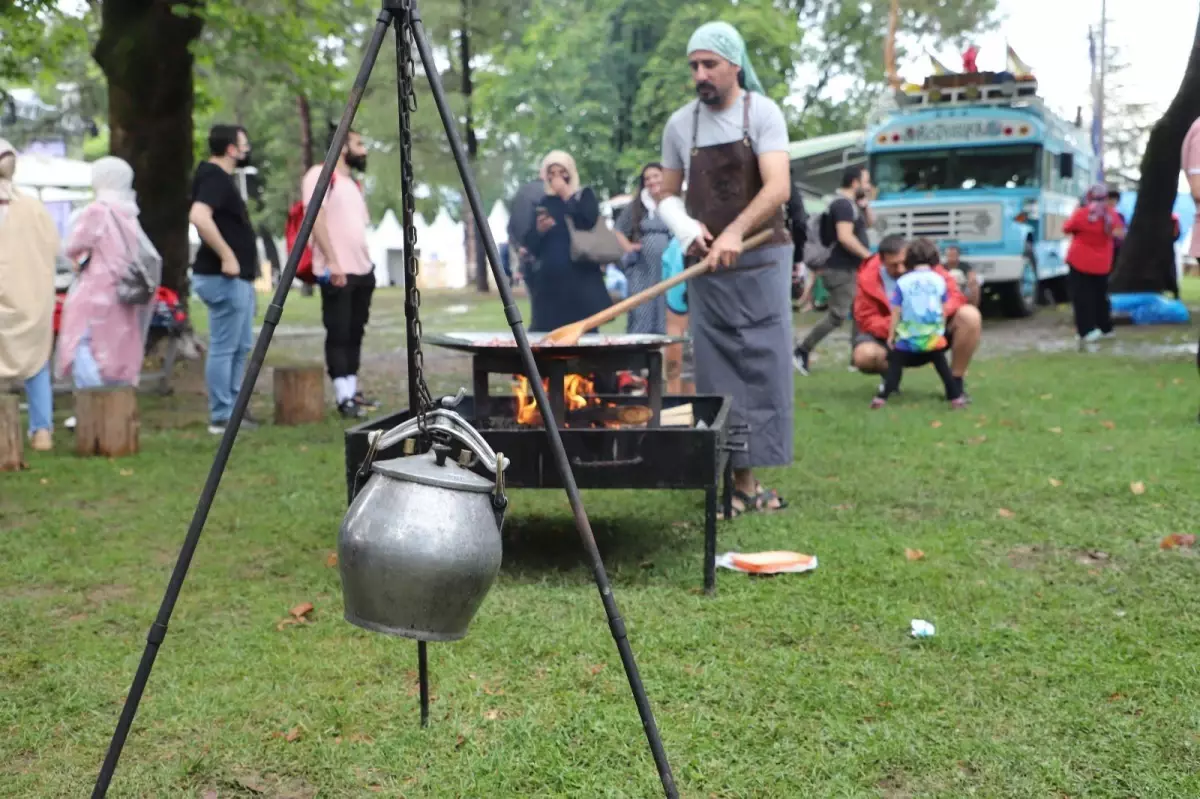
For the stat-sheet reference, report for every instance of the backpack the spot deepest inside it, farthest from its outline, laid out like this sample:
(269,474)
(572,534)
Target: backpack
(797,219)
(819,240)
(291,232)
(143,269)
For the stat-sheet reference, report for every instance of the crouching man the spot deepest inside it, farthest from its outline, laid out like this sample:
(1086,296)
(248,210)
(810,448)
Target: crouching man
(872,313)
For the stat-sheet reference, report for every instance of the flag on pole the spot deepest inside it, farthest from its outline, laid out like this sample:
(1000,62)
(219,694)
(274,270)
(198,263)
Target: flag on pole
(969,57)
(1015,65)
(938,67)
(1097,136)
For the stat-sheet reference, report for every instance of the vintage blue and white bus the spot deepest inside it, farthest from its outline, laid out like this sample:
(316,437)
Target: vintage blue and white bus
(978,161)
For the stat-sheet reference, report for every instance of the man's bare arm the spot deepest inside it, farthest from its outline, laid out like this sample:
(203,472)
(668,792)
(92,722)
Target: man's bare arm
(201,215)
(672,185)
(846,237)
(776,171)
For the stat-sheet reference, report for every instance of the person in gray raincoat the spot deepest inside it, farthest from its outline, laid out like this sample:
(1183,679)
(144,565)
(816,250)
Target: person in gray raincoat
(730,146)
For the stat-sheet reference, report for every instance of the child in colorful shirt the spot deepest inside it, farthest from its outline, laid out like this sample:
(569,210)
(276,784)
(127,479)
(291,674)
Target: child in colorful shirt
(918,332)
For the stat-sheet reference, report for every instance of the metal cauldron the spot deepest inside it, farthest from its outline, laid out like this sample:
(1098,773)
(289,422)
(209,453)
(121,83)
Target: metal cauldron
(419,547)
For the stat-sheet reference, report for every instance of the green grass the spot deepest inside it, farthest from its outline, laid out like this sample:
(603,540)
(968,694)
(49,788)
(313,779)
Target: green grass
(1065,660)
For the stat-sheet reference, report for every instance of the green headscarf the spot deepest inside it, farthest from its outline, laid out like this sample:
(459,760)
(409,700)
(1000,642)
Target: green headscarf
(724,40)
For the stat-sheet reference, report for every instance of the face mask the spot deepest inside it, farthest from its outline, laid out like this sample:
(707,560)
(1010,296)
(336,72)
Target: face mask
(357,162)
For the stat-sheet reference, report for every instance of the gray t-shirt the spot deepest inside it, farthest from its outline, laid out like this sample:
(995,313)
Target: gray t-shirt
(768,130)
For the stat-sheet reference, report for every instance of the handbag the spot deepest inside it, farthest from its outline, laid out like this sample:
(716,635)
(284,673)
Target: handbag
(136,286)
(597,246)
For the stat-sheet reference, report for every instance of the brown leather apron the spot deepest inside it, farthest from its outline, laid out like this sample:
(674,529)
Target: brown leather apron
(723,179)
(741,318)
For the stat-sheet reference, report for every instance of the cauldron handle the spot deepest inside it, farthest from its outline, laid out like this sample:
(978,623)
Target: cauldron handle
(444,421)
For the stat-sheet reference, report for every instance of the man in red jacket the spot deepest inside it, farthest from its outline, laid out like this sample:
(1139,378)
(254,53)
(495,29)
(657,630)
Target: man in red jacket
(873,313)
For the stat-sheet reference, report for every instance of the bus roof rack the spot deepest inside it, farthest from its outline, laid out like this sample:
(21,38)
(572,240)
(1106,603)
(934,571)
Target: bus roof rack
(975,89)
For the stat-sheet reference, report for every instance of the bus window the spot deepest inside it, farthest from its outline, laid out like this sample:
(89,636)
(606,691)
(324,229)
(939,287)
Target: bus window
(976,168)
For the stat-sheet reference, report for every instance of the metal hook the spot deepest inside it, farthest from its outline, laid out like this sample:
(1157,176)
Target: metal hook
(449,402)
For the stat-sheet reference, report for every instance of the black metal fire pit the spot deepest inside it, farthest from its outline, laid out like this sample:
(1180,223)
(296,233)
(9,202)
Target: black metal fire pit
(603,452)
(642,457)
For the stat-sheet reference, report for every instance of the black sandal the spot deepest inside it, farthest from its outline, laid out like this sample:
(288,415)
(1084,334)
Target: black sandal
(750,504)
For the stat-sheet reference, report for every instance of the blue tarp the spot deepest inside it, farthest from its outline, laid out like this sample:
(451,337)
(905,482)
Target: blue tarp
(1149,309)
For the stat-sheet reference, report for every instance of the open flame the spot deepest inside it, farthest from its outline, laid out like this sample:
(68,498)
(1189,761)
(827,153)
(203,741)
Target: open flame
(577,391)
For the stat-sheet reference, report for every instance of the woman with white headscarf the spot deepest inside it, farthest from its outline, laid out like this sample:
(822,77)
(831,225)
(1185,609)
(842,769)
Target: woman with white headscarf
(561,290)
(102,340)
(28,244)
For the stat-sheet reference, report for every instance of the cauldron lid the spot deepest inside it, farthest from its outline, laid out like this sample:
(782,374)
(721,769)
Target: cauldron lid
(424,469)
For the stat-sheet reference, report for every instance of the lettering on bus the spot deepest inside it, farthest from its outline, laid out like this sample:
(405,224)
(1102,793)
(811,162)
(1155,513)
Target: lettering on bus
(935,132)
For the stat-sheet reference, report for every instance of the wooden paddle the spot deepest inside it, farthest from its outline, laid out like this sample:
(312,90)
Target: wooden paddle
(568,335)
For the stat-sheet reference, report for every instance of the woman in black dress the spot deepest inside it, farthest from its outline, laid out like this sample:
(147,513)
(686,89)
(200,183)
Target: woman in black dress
(563,291)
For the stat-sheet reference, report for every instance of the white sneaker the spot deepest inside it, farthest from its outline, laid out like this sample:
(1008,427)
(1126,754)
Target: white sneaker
(1093,336)
(70,423)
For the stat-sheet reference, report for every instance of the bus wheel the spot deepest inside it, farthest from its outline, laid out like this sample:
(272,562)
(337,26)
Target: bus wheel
(1055,290)
(1018,298)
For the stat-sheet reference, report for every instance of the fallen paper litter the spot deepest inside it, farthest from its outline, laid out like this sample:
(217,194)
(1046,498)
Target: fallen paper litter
(922,629)
(775,562)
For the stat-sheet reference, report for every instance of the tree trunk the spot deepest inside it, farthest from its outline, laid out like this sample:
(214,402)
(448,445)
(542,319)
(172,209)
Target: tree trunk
(306,149)
(144,51)
(299,395)
(473,237)
(11,443)
(1147,260)
(106,422)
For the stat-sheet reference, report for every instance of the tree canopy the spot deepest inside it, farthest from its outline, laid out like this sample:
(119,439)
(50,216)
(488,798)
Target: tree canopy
(595,77)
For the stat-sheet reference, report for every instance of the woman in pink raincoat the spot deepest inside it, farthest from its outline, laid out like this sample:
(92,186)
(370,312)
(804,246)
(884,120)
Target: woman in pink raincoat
(102,340)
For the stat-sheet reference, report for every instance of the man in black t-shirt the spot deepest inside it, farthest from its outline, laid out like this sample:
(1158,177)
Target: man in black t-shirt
(850,215)
(225,269)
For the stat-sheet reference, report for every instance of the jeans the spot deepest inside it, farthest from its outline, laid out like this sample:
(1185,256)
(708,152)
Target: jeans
(85,372)
(230,303)
(39,393)
(345,312)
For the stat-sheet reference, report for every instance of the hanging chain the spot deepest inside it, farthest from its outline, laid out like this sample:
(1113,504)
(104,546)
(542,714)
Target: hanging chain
(408,105)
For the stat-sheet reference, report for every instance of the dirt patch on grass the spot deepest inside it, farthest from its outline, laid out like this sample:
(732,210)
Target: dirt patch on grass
(251,783)
(107,593)
(1028,556)
(33,592)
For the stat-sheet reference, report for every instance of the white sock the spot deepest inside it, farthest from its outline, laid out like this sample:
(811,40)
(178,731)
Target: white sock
(352,383)
(341,389)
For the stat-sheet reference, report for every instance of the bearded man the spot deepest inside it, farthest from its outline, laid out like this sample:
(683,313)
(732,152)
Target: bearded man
(730,147)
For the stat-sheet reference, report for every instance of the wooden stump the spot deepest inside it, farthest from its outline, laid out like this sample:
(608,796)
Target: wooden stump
(106,422)
(11,441)
(299,395)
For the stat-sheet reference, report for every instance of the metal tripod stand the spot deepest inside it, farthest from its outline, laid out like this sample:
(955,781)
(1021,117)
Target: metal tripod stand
(404,16)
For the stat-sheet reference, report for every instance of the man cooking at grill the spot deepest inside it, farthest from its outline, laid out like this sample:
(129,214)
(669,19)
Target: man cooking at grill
(730,145)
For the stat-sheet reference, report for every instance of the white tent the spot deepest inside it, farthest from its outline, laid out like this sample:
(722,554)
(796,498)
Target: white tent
(38,171)
(498,222)
(443,262)
(386,244)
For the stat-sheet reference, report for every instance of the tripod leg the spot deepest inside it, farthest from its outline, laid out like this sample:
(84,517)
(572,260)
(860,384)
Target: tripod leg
(423,677)
(158,630)
(513,315)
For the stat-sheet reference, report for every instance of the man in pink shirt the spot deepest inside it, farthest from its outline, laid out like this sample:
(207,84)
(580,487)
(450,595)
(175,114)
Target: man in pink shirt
(342,264)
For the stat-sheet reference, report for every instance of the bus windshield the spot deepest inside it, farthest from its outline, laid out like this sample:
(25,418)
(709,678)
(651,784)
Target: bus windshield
(1015,167)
